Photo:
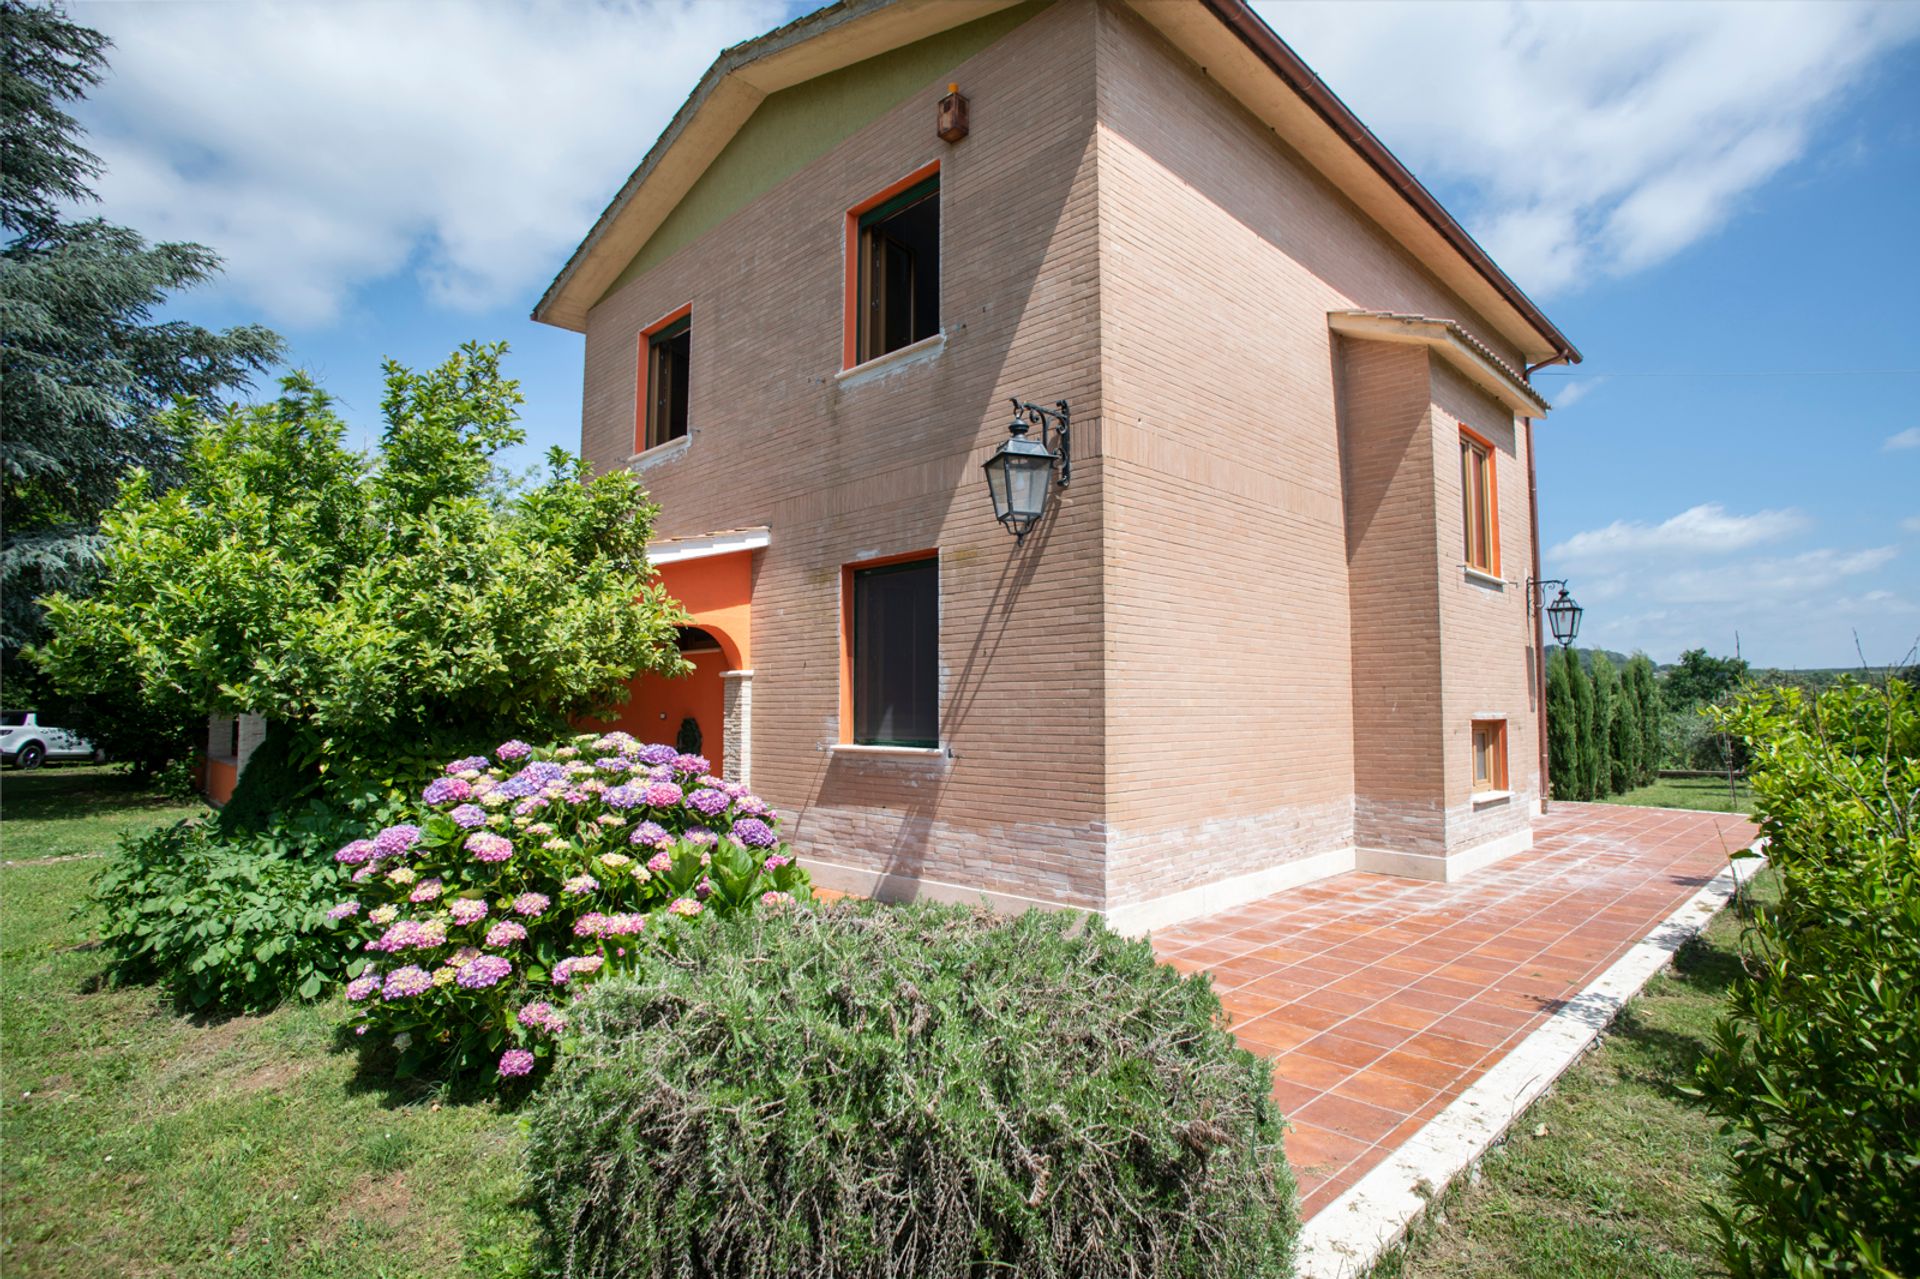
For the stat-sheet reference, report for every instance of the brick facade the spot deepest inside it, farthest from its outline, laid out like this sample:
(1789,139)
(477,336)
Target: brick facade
(1243,638)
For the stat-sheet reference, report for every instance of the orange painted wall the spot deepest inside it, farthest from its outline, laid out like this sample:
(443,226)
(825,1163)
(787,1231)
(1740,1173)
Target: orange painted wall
(718,592)
(658,704)
(222,775)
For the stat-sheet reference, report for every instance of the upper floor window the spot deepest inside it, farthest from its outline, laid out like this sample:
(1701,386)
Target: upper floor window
(896,268)
(1489,754)
(1480,502)
(893,653)
(666,352)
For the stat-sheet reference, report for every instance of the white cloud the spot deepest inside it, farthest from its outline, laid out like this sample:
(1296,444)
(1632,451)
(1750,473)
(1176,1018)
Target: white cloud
(1701,530)
(1907,439)
(1911,524)
(1704,576)
(323,147)
(1570,392)
(1596,138)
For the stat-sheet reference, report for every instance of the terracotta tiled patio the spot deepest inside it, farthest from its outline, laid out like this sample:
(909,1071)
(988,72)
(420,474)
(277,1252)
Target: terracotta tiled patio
(1380,1000)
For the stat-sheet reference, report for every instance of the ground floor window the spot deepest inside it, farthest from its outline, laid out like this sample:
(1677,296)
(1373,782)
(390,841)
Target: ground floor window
(893,652)
(1489,754)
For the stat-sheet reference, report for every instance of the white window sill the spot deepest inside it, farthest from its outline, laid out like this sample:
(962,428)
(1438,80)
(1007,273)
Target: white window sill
(881,365)
(887,752)
(660,453)
(1481,798)
(1484,579)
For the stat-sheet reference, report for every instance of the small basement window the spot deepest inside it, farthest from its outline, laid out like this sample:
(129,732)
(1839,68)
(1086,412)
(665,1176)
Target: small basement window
(897,295)
(894,653)
(1489,755)
(1480,506)
(669,353)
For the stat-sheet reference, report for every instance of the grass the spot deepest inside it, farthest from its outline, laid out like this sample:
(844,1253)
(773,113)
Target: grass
(1703,794)
(143,1142)
(1608,1173)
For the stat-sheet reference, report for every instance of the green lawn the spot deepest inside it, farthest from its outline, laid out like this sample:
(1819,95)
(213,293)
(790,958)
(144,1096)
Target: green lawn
(1706,794)
(1616,1182)
(140,1141)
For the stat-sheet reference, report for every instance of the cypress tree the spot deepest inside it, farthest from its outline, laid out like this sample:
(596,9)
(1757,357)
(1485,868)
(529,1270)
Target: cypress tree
(1563,722)
(1646,693)
(1586,767)
(1606,714)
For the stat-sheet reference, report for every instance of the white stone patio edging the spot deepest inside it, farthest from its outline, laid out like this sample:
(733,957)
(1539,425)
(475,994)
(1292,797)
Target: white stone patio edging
(1347,1236)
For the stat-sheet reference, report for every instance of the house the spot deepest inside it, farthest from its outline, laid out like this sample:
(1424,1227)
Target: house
(1275,624)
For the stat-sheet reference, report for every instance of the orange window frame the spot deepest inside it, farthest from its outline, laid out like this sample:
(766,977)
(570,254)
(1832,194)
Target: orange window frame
(846,625)
(1495,731)
(644,366)
(1472,442)
(850,312)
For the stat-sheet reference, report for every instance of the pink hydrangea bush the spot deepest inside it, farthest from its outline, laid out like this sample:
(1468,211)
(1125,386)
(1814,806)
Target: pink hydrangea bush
(526,876)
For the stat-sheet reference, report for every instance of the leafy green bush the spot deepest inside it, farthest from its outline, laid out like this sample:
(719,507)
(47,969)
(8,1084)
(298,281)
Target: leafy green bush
(1816,1068)
(916,1091)
(234,922)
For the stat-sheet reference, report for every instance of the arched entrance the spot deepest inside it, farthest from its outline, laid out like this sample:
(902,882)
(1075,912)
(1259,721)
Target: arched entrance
(685,710)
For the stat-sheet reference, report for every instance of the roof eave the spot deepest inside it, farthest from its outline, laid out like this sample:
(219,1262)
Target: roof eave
(1455,345)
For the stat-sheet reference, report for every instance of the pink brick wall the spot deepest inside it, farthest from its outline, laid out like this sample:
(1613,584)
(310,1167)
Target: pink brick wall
(1159,689)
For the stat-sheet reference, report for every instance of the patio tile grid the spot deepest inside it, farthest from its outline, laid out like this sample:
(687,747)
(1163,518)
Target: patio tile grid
(1380,1000)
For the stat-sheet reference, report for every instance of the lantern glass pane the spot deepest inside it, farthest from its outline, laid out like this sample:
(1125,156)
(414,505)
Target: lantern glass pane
(997,485)
(1030,477)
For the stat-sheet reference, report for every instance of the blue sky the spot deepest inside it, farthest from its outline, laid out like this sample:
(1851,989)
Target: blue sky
(1716,202)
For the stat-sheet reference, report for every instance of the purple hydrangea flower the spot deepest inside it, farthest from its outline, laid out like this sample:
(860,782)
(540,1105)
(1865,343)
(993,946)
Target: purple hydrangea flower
(403,982)
(516,788)
(467,910)
(512,750)
(544,772)
(531,903)
(700,837)
(344,910)
(579,885)
(661,862)
(425,891)
(663,794)
(754,833)
(505,933)
(622,925)
(467,816)
(489,847)
(356,852)
(751,806)
(445,790)
(364,985)
(624,797)
(703,889)
(484,971)
(591,924)
(691,765)
(777,860)
(576,966)
(612,764)
(471,764)
(655,754)
(396,841)
(515,1062)
(648,835)
(708,803)
(541,1015)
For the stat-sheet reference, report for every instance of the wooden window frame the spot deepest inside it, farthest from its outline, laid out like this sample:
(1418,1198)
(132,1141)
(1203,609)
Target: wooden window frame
(1472,442)
(1496,779)
(847,572)
(642,402)
(850,356)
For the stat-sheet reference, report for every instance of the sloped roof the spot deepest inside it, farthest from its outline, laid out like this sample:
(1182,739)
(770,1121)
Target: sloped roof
(1225,37)
(1455,344)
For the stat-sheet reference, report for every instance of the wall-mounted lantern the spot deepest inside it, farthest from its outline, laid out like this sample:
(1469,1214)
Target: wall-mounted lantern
(1020,474)
(1563,615)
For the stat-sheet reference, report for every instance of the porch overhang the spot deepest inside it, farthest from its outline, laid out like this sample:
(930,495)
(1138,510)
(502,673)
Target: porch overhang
(676,550)
(1453,344)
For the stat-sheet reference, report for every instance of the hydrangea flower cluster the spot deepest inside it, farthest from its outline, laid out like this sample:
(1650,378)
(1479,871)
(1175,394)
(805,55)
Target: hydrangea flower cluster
(524,876)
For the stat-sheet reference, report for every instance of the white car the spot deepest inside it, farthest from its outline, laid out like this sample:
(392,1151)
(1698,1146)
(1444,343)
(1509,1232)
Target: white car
(27,743)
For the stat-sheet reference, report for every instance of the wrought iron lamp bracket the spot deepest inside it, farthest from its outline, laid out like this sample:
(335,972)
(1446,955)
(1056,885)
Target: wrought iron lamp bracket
(1054,423)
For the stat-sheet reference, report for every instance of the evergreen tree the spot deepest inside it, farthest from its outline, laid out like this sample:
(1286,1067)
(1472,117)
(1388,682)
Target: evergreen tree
(1606,715)
(85,370)
(1646,695)
(1583,725)
(1563,728)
